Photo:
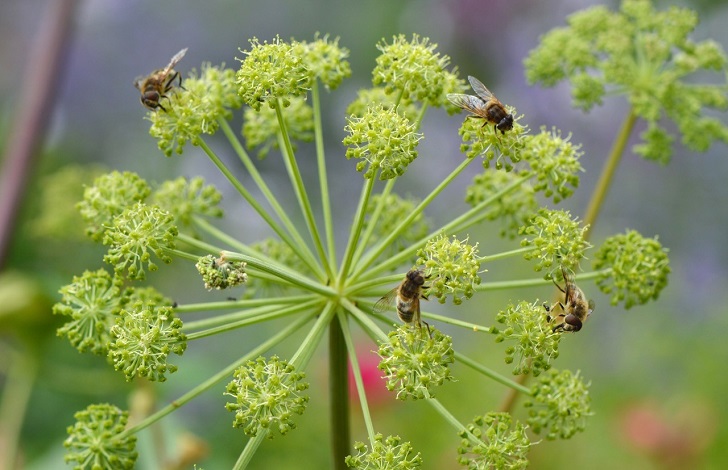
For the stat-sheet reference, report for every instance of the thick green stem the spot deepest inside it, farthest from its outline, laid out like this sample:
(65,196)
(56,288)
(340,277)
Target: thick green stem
(605,179)
(339,391)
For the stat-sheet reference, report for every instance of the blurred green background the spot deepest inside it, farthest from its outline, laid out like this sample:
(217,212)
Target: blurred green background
(658,372)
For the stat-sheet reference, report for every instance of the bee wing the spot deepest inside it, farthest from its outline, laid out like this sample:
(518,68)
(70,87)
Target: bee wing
(480,89)
(467,102)
(592,305)
(386,301)
(175,60)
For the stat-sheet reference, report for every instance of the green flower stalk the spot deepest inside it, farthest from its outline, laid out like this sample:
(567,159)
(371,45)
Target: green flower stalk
(559,405)
(451,268)
(135,235)
(261,128)
(95,441)
(531,338)
(636,268)
(493,442)
(386,454)
(414,362)
(144,336)
(646,55)
(383,140)
(267,395)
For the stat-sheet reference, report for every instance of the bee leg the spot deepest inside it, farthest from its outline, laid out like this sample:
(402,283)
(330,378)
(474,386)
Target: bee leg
(429,332)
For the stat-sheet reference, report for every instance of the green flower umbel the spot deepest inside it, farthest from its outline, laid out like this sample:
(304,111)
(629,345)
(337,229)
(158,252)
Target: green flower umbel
(386,454)
(93,442)
(559,405)
(491,443)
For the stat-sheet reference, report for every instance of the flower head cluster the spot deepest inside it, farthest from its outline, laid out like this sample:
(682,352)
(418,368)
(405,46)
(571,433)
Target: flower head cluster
(135,234)
(272,71)
(145,335)
(645,54)
(451,267)
(413,70)
(396,208)
(219,273)
(636,268)
(555,163)
(384,140)
(261,127)
(499,444)
(109,196)
(481,139)
(515,203)
(557,240)
(326,61)
(267,395)
(415,363)
(94,441)
(185,199)
(559,405)
(196,109)
(93,301)
(386,454)
(532,341)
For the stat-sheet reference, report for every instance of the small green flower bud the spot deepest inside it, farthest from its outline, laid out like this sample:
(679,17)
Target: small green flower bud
(514,208)
(559,405)
(481,139)
(267,395)
(93,443)
(386,454)
(451,267)
(637,268)
(195,110)
(412,69)
(384,140)
(498,446)
(144,337)
(261,128)
(555,162)
(530,337)
(185,199)
(93,301)
(415,362)
(557,240)
(219,273)
(109,196)
(137,233)
(273,70)
(326,61)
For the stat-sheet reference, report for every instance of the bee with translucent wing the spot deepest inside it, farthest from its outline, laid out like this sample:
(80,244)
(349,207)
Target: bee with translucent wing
(156,85)
(575,309)
(484,106)
(407,294)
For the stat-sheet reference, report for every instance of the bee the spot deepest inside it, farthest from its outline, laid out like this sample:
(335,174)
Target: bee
(156,85)
(485,106)
(408,294)
(575,309)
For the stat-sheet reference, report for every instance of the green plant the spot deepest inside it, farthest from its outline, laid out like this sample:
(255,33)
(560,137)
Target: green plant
(298,275)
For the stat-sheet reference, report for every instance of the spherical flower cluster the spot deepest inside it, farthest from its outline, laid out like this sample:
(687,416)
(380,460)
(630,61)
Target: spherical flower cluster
(414,362)
(196,109)
(219,273)
(267,395)
(93,301)
(481,139)
(108,197)
(514,208)
(451,267)
(554,161)
(492,442)
(185,199)
(531,339)
(559,405)
(557,240)
(94,442)
(384,140)
(136,234)
(636,268)
(326,61)
(386,454)
(145,335)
